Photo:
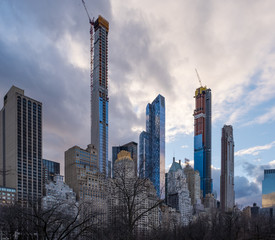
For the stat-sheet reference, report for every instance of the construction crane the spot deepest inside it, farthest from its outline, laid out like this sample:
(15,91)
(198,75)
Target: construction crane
(198,77)
(91,21)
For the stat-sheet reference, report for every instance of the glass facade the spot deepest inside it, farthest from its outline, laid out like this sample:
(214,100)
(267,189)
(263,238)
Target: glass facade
(51,169)
(99,93)
(268,188)
(152,145)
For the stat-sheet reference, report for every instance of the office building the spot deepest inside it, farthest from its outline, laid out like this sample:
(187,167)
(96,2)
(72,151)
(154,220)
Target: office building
(99,92)
(129,147)
(21,145)
(82,175)
(202,138)
(193,181)
(7,196)
(50,169)
(227,193)
(268,188)
(152,145)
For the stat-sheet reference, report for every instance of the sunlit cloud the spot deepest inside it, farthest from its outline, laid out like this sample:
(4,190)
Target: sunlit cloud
(255,150)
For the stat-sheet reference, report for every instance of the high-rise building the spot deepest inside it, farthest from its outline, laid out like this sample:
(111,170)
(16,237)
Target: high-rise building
(152,145)
(50,169)
(99,92)
(268,188)
(227,170)
(21,145)
(202,138)
(129,147)
(82,175)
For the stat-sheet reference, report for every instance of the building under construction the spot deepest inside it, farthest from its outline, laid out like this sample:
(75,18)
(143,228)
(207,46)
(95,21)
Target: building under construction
(202,137)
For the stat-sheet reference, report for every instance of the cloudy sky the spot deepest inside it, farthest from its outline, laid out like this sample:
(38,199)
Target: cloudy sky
(154,47)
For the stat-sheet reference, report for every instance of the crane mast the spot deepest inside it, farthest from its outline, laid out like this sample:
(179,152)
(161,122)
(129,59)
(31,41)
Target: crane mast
(198,77)
(91,21)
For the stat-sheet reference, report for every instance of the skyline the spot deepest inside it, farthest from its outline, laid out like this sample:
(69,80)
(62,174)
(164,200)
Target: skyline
(231,45)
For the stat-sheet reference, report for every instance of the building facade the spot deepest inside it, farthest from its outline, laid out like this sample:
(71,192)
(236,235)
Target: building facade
(99,92)
(82,175)
(130,195)
(227,193)
(193,181)
(50,169)
(152,145)
(7,196)
(129,147)
(178,196)
(202,138)
(268,188)
(21,145)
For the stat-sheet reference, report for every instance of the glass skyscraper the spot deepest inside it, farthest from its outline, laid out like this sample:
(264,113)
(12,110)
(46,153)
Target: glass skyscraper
(152,145)
(202,138)
(268,188)
(99,92)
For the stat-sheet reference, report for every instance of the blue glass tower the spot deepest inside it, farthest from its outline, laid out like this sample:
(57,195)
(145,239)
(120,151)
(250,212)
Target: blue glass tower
(152,145)
(268,188)
(99,92)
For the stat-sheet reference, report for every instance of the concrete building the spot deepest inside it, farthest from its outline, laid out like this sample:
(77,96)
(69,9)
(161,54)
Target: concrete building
(170,218)
(152,145)
(129,147)
(227,193)
(209,202)
(99,91)
(7,196)
(82,175)
(268,188)
(21,145)
(126,188)
(193,181)
(202,138)
(50,169)
(178,196)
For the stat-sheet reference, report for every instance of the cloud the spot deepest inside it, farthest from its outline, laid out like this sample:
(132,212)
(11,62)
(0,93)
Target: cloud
(269,116)
(184,146)
(255,150)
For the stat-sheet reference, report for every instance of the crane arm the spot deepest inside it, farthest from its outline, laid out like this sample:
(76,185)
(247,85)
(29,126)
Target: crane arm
(86,11)
(198,77)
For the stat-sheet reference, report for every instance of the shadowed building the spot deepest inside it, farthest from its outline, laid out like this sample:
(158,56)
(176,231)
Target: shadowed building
(202,138)
(152,145)
(21,145)
(227,169)
(50,169)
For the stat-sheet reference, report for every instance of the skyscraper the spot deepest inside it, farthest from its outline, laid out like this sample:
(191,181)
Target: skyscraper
(99,92)
(268,188)
(227,170)
(202,137)
(21,145)
(129,147)
(152,145)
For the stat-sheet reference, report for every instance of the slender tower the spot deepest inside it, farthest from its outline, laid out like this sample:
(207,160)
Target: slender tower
(99,91)
(202,137)
(227,171)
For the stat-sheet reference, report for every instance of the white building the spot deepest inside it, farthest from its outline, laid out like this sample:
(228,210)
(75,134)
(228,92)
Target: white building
(178,195)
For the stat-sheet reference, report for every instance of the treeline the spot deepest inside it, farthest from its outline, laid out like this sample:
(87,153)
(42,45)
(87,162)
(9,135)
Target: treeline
(81,221)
